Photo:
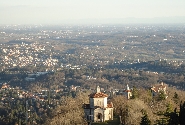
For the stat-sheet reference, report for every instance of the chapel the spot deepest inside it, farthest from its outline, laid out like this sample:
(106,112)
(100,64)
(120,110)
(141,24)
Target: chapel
(156,89)
(98,110)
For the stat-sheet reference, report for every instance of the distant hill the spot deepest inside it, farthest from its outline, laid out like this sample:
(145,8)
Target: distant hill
(131,20)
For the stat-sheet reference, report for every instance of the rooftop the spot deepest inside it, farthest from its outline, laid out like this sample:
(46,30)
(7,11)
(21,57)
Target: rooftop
(98,95)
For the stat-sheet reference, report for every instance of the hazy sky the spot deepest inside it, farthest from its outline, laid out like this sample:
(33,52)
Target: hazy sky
(76,11)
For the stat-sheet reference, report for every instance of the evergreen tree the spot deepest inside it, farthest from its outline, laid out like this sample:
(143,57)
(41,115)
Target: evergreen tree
(145,120)
(161,96)
(169,109)
(182,114)
(173,118)
(176,97)
(134,93)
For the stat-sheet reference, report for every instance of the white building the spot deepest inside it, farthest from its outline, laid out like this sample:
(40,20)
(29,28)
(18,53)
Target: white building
(98,110)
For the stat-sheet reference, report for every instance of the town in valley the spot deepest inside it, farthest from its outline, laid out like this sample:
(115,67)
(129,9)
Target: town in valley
(92,74)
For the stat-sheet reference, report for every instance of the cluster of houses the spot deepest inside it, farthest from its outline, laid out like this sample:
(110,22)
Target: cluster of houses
(25,55)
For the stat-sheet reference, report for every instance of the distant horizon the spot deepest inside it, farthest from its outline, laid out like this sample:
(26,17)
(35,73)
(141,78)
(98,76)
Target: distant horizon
(91,12)
(110,21)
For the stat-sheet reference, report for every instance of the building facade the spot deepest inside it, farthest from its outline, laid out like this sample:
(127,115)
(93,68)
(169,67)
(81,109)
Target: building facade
(98,110)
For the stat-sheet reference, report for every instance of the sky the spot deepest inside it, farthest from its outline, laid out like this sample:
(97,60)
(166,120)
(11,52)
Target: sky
(91,11)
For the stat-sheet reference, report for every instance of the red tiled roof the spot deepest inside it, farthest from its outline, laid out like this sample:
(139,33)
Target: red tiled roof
(127,90)
(157,88)
(98,95)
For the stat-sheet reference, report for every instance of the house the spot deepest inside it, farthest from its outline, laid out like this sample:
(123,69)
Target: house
(98,110)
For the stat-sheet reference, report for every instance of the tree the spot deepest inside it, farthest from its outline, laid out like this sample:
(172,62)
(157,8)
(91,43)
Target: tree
(162,121)
(134,93)
(169,108)
(176,97)
(161,96)
(145,120)
(173,118)
(124,114)
(182,114)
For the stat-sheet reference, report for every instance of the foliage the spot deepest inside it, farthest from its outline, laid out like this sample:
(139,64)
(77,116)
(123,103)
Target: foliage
(69,112)
(145,120)
(135,93)
(173,118)
(169,108)
(161,96)
(182,114)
